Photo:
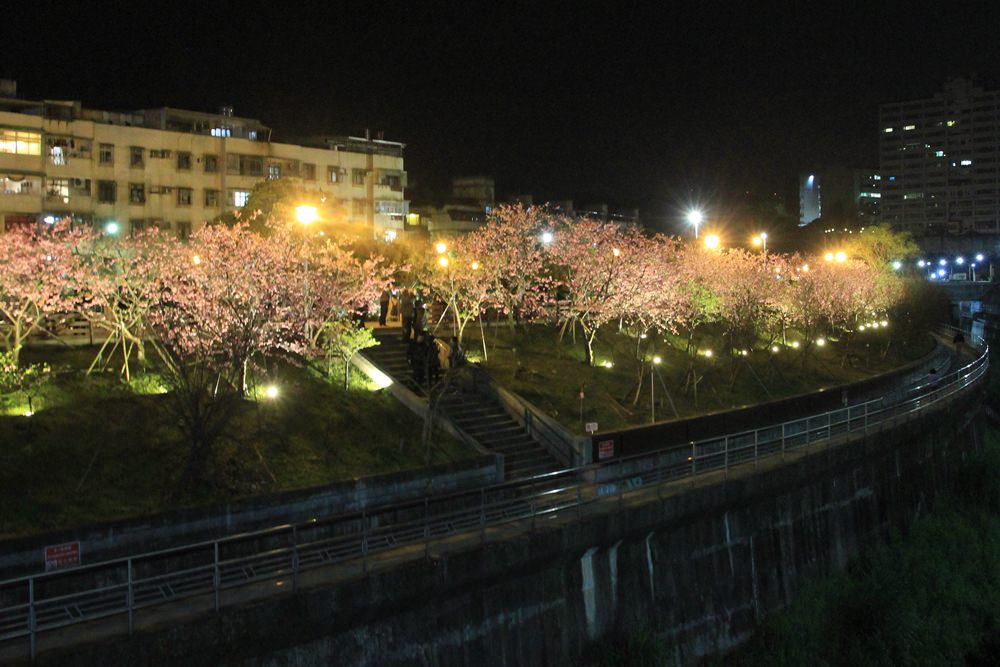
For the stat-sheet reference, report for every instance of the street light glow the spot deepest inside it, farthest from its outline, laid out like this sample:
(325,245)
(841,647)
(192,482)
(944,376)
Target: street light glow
(694,217)
(942,262)
(441,247)
(841,256)
(828,256)
(657,360)
(960,260)
(712,241)
(111,228)
(443,261)
(897,265)
(306,214)
(757,240)
(616,252)
(195,259)
(475,266)
(979,258)
(271,391)
(546,237)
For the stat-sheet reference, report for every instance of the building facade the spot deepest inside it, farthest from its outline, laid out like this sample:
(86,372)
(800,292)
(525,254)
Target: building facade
(840,194)
(939,159)
(175,169)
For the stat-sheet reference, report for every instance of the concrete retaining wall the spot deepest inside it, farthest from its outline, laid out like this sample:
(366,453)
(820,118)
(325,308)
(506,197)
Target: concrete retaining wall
(698,565)
(160,531)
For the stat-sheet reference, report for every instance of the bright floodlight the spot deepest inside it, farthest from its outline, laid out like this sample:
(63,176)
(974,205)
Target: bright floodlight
(271,391)
(828,256)
(441,247)
(546,237)
(111,228)
(475,266)
(942,262)
(897,265)
(657,360)
(921,264)
(821,342)
(979,258)
(841,256)
(616,252)
(712,241)
(195,259)
(960,260)
(443,261)
(306,214)
(695,217)
(757,240)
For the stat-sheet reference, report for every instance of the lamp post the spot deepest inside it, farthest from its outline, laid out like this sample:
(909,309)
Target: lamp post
(652,389)
(695,217)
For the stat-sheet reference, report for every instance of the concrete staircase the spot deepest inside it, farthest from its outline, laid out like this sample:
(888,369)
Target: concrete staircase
(484,419)
(480,416)
(390,356)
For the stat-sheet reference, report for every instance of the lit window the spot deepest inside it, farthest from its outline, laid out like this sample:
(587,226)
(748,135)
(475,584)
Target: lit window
(965,163)
(222,132)
(20,142)
(888,130)
(876,177)
(950,123)
(240,198)
(909,127)
(892,178)
(939,153)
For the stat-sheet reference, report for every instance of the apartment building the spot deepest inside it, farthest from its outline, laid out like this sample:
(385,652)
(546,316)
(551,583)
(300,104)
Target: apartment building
(175,169)
(939,159)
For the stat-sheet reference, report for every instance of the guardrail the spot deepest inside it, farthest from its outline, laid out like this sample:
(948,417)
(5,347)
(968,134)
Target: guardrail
(204,574)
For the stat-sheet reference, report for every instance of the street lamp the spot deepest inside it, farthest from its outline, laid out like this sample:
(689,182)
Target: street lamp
(111,228)
(547,237)
(652,389)
(441,247)
(694,217)
(712,241)
(828,257)
(306,214)
(897,265)
(840,256)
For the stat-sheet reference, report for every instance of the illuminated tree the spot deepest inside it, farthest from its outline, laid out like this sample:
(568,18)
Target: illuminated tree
(463,282)
(37,280)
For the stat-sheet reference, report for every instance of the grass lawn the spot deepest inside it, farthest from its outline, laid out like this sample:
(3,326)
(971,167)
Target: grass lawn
(96,450)
(551,374)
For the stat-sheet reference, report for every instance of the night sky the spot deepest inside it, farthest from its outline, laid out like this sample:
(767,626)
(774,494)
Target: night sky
(610,102)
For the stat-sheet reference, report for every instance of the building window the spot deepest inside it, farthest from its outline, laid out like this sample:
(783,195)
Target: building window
(212,198)
(333,174)
(20,142)
(211,163)
(137,225)
(240,198)
(58,148)
(136,157)
(909,127)
(888,130)
(107,154)
(358,176)
(273,172)
(136,193)
(221,132)
(183,230)
(184,196)
(57,189)
(308,171)
(107,192)
(184,160)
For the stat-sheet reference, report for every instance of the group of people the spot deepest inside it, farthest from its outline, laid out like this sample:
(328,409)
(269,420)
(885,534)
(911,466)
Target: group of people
(409,305)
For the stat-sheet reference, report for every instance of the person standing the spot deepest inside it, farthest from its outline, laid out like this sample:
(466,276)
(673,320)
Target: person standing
(420,311)
(406,310)
(383,306)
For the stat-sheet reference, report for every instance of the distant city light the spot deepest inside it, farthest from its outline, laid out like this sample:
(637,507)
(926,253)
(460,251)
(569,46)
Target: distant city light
(960,260)
(921,264)
(942,262)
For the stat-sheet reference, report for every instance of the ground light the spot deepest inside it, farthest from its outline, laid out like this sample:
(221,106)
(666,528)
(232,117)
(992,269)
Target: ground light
(271,391)
(897,265)
(441,248)
(775,348)
(821,342)
(195,259)
(795,344)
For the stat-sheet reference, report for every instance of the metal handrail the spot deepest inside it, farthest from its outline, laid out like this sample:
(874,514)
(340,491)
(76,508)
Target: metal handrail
(25,613)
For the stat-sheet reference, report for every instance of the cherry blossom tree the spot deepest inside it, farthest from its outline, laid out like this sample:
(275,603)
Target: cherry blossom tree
(463,282)
(121,286)
(597,265)
(509,248)
(37,280)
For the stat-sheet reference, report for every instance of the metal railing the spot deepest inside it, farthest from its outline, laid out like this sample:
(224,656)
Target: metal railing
(205,574)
